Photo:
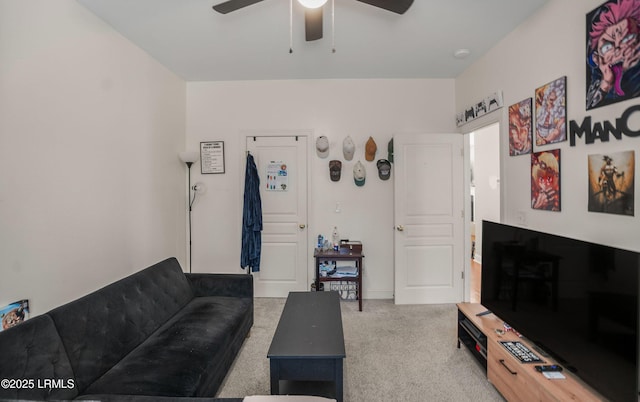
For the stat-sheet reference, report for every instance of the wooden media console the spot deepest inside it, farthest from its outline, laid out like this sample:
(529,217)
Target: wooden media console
(514,379)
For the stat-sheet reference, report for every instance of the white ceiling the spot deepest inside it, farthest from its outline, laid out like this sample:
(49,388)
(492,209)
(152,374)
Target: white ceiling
(252,43)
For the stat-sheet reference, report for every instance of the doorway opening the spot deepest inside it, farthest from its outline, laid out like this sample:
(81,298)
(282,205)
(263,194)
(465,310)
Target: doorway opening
(484,155)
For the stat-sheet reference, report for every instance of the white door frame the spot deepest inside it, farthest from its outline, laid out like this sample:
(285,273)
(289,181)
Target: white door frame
(486,120)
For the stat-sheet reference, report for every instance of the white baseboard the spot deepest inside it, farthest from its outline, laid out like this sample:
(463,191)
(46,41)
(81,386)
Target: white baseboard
(378,294)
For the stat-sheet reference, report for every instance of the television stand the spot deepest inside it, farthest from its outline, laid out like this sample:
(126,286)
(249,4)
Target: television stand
(516,381)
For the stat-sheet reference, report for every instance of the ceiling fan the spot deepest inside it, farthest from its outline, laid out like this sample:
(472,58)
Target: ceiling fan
(313,12)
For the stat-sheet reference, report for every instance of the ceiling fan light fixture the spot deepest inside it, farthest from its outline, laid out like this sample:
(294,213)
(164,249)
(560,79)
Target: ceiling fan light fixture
(312,3)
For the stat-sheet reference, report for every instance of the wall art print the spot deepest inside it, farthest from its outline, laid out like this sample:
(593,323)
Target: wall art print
(613,53)
(487,105)
(545,180)
(520,128)
(551,112)
(14,313)
(611,183)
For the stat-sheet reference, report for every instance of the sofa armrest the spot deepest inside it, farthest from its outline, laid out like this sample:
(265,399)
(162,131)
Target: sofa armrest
(234,285)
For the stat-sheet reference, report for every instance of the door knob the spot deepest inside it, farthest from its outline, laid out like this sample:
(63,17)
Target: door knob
(400,228)
(302,226)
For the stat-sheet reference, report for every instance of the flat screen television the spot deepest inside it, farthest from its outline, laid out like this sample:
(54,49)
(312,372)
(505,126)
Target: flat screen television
(576,300)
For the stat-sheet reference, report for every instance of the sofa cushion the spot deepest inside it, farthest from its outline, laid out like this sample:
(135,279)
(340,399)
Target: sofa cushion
(101,328)
(221,284)
(34,350)
(185,352)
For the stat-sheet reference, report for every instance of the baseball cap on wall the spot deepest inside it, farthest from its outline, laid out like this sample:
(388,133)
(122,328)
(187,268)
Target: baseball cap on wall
(322,146)
(348,148)
(384,169)
(335,169)
(370,149)
(359,174)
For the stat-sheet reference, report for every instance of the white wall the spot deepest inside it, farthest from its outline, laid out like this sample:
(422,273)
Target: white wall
(91,188)
(335,108)
(547,46)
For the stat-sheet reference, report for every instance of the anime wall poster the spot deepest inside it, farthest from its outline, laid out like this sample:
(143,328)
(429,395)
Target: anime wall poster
(14,313)
(551,112)
(520,128)
(545,180)
(613,53)
(611,183)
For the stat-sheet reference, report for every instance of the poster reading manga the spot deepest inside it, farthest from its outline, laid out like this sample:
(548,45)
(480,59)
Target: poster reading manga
(613,53)
(611,183)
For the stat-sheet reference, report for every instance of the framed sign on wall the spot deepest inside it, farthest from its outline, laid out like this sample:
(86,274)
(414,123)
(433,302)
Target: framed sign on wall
(212,157)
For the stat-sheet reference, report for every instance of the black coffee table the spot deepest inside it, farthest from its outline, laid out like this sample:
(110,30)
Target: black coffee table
(308,344)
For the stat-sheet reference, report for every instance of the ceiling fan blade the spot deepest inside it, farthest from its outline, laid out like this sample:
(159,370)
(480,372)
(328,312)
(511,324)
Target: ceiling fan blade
(396,6)
(233,5)
(313,23)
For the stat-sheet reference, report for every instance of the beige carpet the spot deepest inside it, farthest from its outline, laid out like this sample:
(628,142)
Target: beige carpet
(394,353)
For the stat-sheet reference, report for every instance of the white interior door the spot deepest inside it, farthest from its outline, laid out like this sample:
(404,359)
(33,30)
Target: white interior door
(283,265)
(429,218)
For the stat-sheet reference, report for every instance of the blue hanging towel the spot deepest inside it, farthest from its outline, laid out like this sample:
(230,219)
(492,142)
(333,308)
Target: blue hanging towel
(251,218)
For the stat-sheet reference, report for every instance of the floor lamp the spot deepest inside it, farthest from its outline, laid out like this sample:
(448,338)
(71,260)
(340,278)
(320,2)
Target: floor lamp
(189,158)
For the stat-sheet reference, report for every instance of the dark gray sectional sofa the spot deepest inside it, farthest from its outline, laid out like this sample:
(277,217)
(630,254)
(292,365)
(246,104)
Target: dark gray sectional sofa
(159,334)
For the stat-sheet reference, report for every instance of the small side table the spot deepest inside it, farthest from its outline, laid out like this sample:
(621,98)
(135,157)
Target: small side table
(344,254)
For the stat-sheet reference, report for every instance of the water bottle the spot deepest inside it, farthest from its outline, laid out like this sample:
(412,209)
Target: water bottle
(320,241)
(335,238)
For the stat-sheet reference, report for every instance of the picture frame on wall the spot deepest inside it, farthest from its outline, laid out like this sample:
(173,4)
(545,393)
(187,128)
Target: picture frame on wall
(612,183)
(612,45)
(14,314)
(545,180)
(520,128)
(212,157)
(551,112)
